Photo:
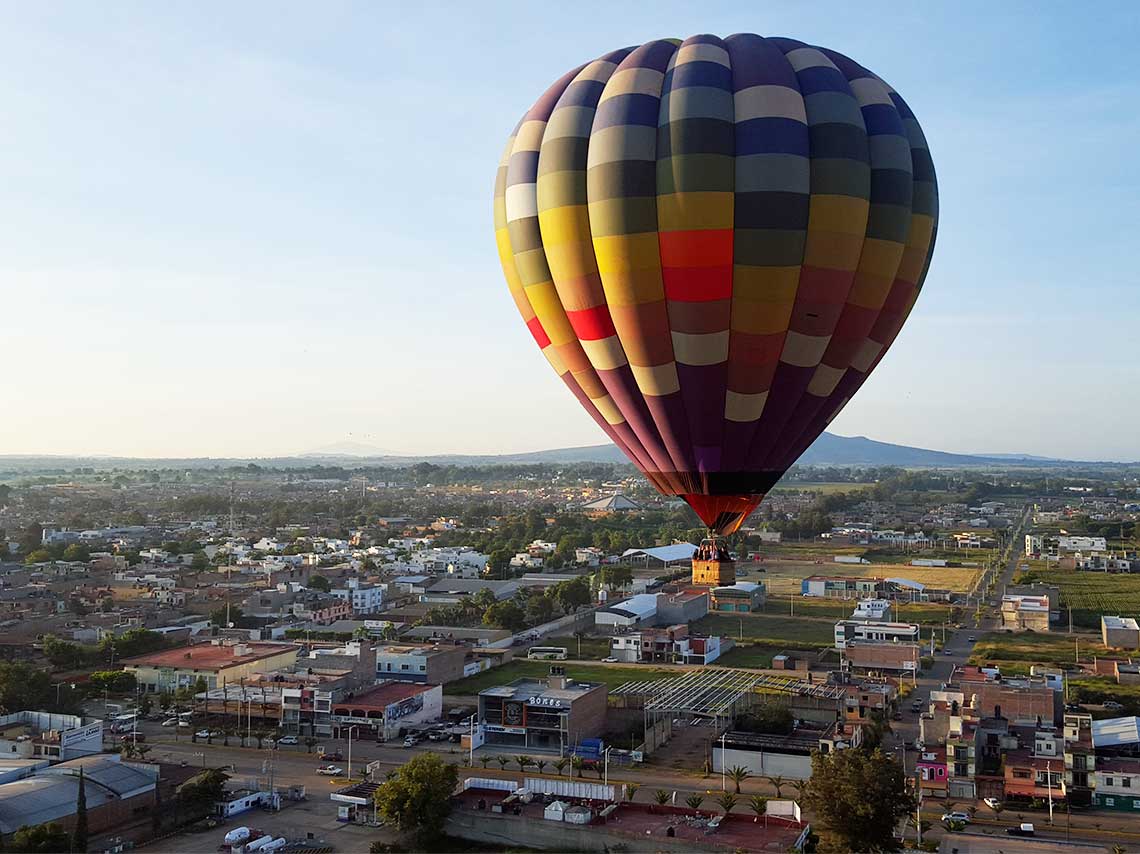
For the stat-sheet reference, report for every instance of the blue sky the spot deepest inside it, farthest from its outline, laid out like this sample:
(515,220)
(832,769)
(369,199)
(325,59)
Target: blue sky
(266,228)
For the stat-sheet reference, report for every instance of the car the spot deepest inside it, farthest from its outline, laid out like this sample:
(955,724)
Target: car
(183,723)
(332,756)
(609,660)
(963,817)
(410,742)
(203,733)
(1023,829)
(288,739)
(1113,705)
(131,738)
(972,639)
(330,771)
(992,803)
(897,716)
(436,735)
(947,651)
(171,722)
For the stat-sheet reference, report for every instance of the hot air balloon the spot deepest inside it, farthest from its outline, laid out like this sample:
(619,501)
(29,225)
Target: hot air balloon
(714,242)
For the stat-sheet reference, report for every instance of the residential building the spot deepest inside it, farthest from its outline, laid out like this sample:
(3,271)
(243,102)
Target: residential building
(1024,700)
(217,663)
(379,712)
(1116,784)
(860,630)
(451,591)
(673,645)
(743,596)
(682,606)
(1080,759)
(364,598)
(423,663)
(1120,632)
(1025,613)
(550,715)
(933,771)
(872,610)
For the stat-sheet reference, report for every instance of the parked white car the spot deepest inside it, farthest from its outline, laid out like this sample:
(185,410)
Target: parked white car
(330,770)
(957,816)
(288,739)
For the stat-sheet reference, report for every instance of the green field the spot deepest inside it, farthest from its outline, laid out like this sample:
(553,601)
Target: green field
(519,668)
(771,631)
(591,648)
(822,488)
(1091,594)
(747,656)
(1014,652)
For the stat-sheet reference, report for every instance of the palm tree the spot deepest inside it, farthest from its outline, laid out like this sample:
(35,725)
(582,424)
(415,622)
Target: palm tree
(737,775)
(759,805)
(631,790)
(662,797)
(502,760)
(778,783)
(576,764)
(726,802)
(524,761)
(997,807)
(260,735)
(694,802)
(801,787)
(540,764)
(226,733)
(560,764)
(485,760)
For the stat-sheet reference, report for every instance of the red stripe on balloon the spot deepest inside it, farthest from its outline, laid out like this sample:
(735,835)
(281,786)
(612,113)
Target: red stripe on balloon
(592,324)
(535,327)
(699,284)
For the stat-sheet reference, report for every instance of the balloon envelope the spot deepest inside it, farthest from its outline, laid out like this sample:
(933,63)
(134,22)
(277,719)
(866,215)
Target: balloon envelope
(714,242)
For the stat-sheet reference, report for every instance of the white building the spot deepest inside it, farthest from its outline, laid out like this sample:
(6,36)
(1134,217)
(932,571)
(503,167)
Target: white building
(855,630)
(628,613)
(365,598)
(872,610)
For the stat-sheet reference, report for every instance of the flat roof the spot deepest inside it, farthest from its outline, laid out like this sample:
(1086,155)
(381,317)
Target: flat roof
(739,587)
(384,695)
(665,554)
(1116,732)
(1120,623)
(208,656)
(539,688)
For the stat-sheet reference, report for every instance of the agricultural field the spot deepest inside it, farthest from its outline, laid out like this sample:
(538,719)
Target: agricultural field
(783,578)
(822,488)
(612,675)
(1015,652)
(1091,594)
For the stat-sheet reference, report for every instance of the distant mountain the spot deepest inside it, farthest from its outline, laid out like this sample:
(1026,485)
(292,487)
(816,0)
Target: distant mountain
(828,450)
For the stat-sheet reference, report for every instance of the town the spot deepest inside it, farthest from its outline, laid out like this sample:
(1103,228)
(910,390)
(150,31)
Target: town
(261,648)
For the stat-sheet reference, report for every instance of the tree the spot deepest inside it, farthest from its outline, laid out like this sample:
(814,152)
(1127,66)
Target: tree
(115,681)
(997,807)
(801,787)
(539,609)
(524,762)
(319,582)
(560,764)
(661,797)
(41,839)
(726,802)
(75,551)
(694,802)
(573,594)
(631,790)
(38,556)
(79,834)
(759,805)
(737,775)
(540,764)
(311,742)
(503,761)
(505,615)
(218,615)
(576,764)
(486,760)
(858,798)
(419,798)
(199,563)
(778,784)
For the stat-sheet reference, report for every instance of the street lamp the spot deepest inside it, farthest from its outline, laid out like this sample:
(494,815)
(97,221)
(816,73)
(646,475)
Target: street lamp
(723,785)
(350,729)
(606,765)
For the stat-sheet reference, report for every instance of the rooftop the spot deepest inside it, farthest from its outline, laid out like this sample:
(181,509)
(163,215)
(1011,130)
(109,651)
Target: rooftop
(1120,623)
(385,694)
(209,656)
(527,688)
(665,554)
(1116,732)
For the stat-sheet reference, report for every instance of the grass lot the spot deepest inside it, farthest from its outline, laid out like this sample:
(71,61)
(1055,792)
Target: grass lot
(517,669)
(822,488)
(747,656)
(592,648)
(773,632)
(1091,594)
(1095,690)
(783,577)
(1014,652)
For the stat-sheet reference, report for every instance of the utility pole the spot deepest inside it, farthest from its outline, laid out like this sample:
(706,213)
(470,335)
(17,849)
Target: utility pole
(1049,786)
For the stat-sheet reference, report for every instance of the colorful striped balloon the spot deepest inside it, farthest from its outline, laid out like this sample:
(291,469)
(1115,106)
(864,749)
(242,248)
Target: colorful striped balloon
(714,242)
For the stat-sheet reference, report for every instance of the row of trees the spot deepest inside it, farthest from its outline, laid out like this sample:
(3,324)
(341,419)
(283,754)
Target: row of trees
(70,655)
